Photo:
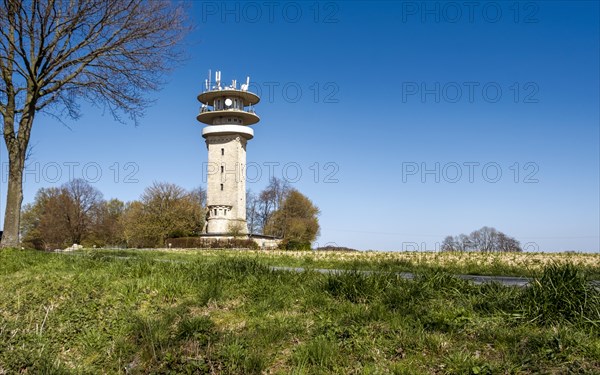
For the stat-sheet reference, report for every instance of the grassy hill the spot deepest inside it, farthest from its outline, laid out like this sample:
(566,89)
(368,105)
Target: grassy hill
(227,312)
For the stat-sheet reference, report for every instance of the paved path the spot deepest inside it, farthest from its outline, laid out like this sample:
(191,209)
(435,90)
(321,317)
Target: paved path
(477,279)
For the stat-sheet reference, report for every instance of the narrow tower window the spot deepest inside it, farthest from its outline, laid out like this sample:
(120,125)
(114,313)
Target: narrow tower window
(221,187)
(222,169)
(222,151)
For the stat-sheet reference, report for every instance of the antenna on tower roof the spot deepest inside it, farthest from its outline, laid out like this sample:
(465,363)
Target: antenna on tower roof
(218,79)
(246,85)
(208,80)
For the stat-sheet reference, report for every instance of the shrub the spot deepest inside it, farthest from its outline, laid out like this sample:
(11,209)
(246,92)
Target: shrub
(562,294)
(294,245)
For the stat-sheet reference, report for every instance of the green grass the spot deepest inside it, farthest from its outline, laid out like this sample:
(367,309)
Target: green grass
(506,264)
(230,314)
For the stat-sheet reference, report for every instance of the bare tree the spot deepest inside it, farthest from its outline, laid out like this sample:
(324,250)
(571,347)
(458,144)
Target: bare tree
(80,204)
(55,52)
(449,244)
(507,244)
(464,242)
(62,216)
(484,239)
(271,199)
(266,204)
(252,212)
(199,194)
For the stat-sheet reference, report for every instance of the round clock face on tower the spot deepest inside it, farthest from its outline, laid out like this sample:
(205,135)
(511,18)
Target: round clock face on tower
(228,102)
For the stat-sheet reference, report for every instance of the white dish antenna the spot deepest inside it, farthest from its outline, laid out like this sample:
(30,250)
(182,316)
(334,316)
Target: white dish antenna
(228,102)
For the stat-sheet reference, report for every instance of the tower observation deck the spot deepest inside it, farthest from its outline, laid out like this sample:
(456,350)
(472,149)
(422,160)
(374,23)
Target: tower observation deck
(227,111)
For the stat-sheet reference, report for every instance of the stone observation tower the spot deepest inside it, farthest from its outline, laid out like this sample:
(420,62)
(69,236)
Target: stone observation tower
(228,112)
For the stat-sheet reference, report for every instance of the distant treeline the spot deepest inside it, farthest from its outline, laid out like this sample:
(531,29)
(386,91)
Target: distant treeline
(76,212)
(484,239)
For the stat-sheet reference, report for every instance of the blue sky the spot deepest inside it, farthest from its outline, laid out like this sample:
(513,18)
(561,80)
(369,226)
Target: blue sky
(408,121)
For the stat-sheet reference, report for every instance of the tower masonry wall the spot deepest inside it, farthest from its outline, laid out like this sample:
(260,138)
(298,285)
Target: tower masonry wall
(226,183)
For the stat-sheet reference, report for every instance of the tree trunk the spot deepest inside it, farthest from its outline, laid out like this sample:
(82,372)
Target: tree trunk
(14,198)
(16,145)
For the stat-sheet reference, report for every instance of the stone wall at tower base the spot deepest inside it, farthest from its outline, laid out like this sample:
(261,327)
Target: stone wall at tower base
(225,240)
(266,242)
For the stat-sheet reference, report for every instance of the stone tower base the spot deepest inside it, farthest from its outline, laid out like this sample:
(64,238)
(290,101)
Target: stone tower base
(263,242)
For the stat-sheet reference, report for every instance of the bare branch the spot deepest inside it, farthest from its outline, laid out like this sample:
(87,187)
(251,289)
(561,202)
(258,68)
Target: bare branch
(54,53)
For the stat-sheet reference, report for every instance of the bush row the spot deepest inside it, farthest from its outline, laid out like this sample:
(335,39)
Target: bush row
(210,243)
